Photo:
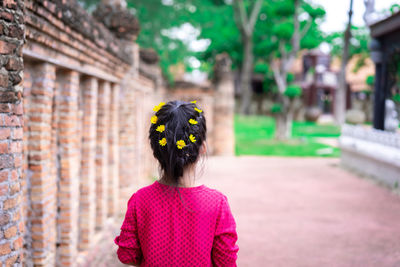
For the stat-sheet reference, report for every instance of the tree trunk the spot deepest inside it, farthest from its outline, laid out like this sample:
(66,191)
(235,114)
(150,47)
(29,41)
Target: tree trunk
(284,120)
(289,119)
(281,127)
(340,102)
(245,79)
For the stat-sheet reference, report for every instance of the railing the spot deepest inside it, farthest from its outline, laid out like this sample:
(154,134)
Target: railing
(371,152)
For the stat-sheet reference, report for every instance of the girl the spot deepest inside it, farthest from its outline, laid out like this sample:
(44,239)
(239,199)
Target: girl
(175,222)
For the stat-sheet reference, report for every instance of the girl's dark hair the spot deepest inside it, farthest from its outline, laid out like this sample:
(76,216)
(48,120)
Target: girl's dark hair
(175,116)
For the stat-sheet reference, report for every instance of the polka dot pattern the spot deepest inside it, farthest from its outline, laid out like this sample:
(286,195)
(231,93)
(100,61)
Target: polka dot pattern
(165,228)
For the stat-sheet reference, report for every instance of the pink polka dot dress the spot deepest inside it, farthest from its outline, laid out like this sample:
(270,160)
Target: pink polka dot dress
(163,228)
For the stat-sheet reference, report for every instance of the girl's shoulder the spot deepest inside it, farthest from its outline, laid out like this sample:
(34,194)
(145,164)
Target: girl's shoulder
(156,188)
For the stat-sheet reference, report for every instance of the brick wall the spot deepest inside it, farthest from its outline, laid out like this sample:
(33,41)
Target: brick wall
(11,133)
(84,106)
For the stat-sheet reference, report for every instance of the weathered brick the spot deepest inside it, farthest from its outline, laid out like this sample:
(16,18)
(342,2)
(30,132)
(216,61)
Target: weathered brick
(16,217)
(6,161)
(3,189)
(14,188)
(10,232)
(8,97)
(6,16)
(10,4)
(15,147)
(15,32)
(18,109)
(4,108)
(15,78)
(14,63)
(18,243)
(11,203)
(6,47)
(4,133)
(14,175)
(21,226)
(4,175)
(3,79)
(17,161)
(11,261)
(4,148)
(12,120)
(5,249)
(17,133)
(4,218)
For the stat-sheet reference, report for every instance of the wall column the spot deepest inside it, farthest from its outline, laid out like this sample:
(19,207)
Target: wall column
(103,109)
(87,218)
(69,158)
(113,155)
(224,139)
(43,184)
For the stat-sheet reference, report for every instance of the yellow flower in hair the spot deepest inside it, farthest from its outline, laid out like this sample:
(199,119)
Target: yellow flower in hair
(163,142)
(160,128)
(192,121)
(180,144)
(194,101)
(192,138)
(158,107)
(154,119)
(198,110)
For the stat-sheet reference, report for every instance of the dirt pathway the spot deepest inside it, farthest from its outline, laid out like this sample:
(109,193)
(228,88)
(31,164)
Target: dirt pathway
(307,212)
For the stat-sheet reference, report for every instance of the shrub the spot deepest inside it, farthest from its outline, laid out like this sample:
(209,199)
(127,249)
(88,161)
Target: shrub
(396,98)
(293,91)
(276,108)
(261,68)
(370,80)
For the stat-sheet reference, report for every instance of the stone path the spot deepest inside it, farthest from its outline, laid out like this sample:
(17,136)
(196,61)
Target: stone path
(306,212)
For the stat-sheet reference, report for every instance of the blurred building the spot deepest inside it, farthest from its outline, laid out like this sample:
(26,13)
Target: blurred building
(375,151)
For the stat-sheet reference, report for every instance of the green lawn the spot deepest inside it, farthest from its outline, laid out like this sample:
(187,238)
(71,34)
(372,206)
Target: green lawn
(255,136)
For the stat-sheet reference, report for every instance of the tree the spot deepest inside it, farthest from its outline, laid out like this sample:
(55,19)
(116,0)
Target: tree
(286,35)
(358,45)
(246,21)
(340,101)
(158,20)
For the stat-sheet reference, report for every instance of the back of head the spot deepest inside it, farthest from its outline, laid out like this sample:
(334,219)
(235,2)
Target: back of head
(176,135)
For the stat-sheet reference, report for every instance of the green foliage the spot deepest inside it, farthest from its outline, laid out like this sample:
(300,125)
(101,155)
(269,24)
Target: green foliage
(312,129)
(290,77)
(216,22)
(255,136)
(358,45)
(293,91)
(276,108)
(269,85)
(284,8)
(396,98)
(283,30)
(261,68)
(395,8)
(370,80)
(314,12)
(274,24)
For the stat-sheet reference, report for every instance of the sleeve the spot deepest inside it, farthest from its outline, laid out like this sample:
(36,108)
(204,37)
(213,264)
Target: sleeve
(224,251)
(129,251)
